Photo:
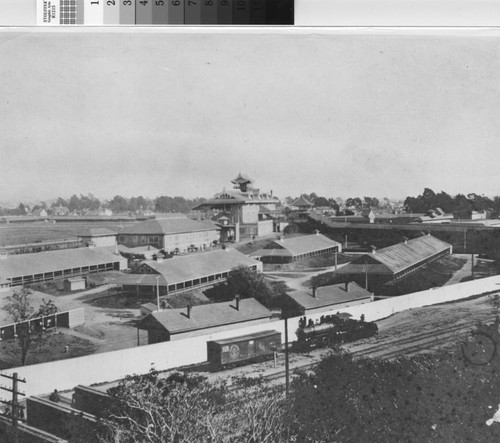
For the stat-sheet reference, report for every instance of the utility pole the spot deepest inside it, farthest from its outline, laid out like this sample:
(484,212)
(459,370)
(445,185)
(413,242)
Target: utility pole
(158,292)
(15,407)
(287,362)
(336,252)
(366,273)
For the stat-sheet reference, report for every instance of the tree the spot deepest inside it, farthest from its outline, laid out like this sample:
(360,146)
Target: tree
(184,408)
(22,312)
(432,399)
(248,283)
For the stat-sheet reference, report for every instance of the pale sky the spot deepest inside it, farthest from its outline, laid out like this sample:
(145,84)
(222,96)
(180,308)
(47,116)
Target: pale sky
(181,112)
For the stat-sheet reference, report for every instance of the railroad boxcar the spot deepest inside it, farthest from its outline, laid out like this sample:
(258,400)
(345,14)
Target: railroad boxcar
(243,348)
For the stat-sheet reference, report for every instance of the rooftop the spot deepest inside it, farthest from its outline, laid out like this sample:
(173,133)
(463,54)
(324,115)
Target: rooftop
(203,264)
(210,315)
(96,232)
(329,295)
(398,257)
(51,261)
(294,246)
(172,224)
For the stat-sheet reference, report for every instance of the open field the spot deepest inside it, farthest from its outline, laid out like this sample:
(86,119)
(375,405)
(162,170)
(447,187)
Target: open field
(13,234)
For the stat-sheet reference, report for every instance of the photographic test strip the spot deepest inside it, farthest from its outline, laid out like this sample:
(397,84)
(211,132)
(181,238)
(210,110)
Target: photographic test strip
(165,12)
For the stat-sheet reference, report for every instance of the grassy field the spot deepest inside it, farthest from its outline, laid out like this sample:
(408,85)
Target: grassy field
(13,234)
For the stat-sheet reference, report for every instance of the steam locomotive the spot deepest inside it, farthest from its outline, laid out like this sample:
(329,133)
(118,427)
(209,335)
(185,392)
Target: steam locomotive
(330,330)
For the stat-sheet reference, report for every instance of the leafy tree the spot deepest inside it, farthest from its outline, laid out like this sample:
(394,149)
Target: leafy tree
(21,311)
(248,283)
(321,201)
(118,204)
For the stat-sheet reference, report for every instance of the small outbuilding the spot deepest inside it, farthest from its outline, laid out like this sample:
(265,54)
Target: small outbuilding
(74,284)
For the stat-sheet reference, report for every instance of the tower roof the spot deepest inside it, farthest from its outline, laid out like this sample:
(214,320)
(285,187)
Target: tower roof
(242,178)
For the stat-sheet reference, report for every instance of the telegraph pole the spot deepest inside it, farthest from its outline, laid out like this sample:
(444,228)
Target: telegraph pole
(287,363)
(15,407)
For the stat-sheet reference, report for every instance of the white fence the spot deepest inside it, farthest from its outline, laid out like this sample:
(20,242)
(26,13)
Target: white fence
(66,374)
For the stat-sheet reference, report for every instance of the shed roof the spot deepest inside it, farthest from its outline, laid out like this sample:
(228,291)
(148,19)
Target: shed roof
(329,295)
(174,224)
(96,232)
(291,247)
(176,321)
(51,261)
(396,258)
(203,264)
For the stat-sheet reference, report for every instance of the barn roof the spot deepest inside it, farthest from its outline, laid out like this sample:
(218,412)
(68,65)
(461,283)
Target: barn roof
(51,261)
(302,201)
(176,321)
(291,247)
(329,295)
(396,258)
(203,264)
(175,224)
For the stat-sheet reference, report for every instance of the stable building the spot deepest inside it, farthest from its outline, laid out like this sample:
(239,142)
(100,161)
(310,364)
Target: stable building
(187,271)
(395,262)
(176,324)
(326,298)
(24,269)
(174,233)
(287,250)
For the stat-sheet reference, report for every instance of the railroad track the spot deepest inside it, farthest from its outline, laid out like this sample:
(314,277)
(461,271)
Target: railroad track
(406,346)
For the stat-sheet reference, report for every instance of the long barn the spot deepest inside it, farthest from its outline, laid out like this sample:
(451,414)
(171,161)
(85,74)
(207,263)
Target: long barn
(24,269)
(395,262)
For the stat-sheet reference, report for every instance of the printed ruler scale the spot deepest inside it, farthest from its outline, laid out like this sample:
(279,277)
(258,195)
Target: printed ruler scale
(164,12)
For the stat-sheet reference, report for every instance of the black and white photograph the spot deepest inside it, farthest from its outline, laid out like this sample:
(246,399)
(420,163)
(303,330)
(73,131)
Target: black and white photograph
(249,234)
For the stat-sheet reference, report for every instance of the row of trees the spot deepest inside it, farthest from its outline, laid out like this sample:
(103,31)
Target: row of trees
(460,202)
(351,202)
(118,204)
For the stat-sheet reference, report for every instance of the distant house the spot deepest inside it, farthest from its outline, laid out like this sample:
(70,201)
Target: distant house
(60,210)
(40,212)
(187,272)
(326,298)
(176,324)
(97,237)
(395,262)
(175,233)
(286,250)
